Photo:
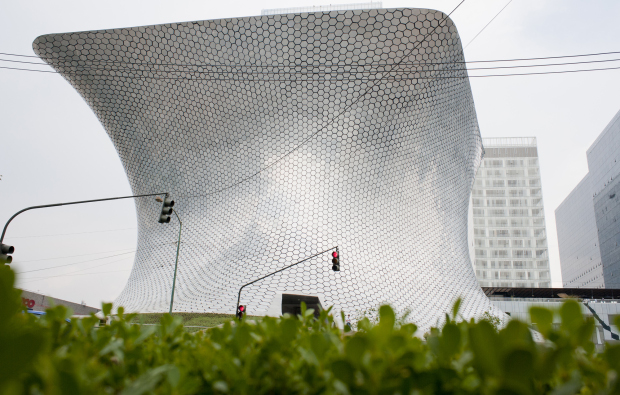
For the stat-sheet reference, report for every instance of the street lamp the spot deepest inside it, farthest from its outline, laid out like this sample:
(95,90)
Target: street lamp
(176,262)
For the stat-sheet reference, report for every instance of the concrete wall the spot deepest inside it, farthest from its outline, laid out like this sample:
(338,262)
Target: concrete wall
(579,226)
(607,211)
(40,302)
(519,308)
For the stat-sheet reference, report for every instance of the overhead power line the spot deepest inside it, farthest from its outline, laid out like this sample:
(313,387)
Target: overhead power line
(77,271)
(332,119)
(547,57)
(97,253)
(485,26)
(392,78)
(540,73)
(314,73)
(72,275)
(72,256)
(222,69)
(68,234)
(344,110)
(75,263)
(330,64)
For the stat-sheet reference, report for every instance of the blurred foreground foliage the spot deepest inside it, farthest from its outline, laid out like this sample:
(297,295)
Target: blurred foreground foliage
(298,355)
(192,322)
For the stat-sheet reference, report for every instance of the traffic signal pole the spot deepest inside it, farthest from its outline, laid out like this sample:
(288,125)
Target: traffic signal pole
(278,271)
(68,204)
(174,279)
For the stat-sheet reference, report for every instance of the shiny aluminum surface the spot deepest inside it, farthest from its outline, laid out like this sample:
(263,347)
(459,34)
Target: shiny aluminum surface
(280,136)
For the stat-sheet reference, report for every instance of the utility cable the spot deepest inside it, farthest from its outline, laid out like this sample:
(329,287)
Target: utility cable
(333,64)
(485,26)
(75,263)
(394,78)
(309,72)
(365,93)
(80,270)
(71,275)
(94,253)
(329,122)
(540,73)
(68,234)
(295,66)
(72,256)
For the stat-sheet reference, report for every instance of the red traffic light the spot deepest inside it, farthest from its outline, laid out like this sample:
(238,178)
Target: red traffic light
(240,311)
(335,261)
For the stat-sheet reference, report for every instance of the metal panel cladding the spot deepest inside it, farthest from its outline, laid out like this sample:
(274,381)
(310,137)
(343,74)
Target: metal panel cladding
(281,136)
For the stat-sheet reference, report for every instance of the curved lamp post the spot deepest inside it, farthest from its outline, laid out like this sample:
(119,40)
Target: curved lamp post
(176,262)
(6,250)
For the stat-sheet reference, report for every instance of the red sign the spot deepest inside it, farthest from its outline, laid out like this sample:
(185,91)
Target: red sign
(28,302)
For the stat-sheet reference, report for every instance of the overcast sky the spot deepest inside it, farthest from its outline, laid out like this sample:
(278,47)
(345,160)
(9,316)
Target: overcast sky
(54,149)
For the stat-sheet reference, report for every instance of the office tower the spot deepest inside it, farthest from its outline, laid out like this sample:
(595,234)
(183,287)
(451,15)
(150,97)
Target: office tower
(588,220)
(510,239)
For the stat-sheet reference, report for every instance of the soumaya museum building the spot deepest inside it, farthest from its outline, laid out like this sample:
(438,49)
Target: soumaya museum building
(281,136)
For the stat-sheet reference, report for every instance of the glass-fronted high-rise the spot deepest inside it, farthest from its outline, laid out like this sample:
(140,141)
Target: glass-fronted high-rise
(587,219)
(510,238)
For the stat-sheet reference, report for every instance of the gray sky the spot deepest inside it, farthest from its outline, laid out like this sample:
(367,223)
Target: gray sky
(54,149)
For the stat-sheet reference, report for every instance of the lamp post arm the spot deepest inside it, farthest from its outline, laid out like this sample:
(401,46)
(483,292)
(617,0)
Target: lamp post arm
(278,271)
(70,203)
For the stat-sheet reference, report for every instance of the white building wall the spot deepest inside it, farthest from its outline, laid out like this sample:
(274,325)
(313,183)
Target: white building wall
(518,308)
(580,256)
(578,237)
(510,240)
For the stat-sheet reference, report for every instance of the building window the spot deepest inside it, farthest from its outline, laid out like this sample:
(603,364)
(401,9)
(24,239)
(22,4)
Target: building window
(522,253)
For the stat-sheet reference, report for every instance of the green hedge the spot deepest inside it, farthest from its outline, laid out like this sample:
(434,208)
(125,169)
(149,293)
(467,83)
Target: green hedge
(298,355)
(192,322)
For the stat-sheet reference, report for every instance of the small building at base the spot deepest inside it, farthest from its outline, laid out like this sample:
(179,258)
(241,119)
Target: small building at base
(602,304)
(39,302)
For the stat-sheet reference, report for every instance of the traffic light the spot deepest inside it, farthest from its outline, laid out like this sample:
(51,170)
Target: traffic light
(166,211)
(240,311)
(335,261)
(5,251)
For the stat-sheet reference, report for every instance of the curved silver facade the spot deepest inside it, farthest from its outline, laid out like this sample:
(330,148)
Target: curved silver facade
(281,136)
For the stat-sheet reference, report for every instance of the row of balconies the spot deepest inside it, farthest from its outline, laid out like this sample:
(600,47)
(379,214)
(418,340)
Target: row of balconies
(523,202)
(509,173)
(516,284)
(509,275)
(507,183)
(529,264)
(509,163)
(516,212)
(512,193)
(512,223)
(503,243)
(536,233)
(538,254)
